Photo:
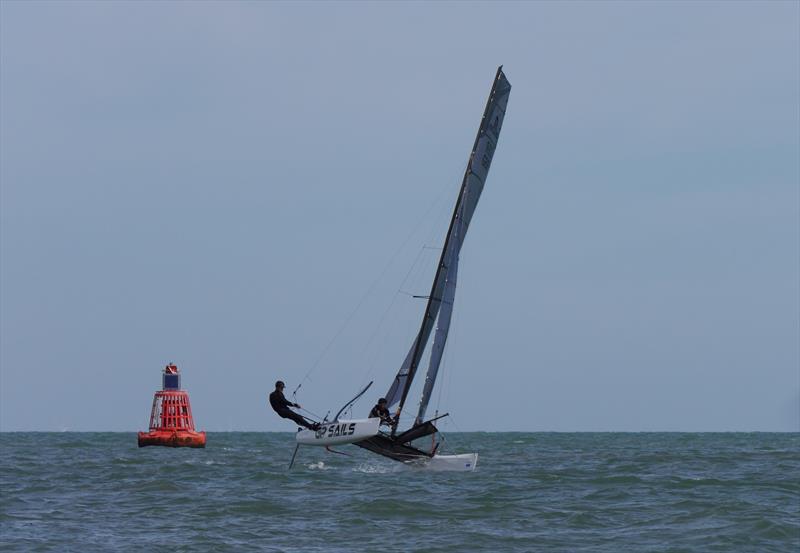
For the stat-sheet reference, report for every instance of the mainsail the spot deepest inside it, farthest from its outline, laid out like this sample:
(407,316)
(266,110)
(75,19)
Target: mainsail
(444,283)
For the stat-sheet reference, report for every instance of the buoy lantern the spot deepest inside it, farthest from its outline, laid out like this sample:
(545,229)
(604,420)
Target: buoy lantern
(171,423)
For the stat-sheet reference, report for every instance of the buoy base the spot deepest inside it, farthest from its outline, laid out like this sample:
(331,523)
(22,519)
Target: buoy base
(172,438)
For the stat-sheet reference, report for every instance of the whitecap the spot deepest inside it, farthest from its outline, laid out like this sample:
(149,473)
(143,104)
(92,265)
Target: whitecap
(372,468)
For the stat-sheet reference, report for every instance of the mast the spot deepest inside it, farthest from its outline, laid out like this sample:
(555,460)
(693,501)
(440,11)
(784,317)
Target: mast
(471,188)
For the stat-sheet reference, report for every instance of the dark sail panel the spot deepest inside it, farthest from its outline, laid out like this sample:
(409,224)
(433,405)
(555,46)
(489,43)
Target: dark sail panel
(396,390)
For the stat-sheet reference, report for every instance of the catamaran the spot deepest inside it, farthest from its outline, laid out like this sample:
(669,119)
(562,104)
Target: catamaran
(395,444)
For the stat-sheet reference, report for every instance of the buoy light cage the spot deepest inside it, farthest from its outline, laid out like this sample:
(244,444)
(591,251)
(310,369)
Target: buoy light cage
(171,421)
(171,410)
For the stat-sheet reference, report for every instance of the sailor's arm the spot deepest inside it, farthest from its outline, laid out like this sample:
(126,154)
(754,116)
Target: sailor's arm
(290,404)
(287,403)
(387,417)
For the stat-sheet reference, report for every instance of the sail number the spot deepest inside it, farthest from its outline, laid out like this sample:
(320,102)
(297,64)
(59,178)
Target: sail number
(333,430)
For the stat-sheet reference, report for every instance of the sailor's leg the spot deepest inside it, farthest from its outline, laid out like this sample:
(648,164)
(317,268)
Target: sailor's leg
(299,419)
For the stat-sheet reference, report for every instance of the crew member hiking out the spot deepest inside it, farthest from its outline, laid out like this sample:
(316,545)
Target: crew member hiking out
(281,406)
(380,411)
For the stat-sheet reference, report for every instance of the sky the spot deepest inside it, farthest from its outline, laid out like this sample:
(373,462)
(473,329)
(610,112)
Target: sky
(255,190)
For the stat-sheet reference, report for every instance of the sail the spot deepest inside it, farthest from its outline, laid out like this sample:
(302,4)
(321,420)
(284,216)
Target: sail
(396,390)
(471,187)
(439,339)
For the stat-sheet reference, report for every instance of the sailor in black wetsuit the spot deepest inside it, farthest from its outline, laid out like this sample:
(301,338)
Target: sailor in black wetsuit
(281,406)
(380,411)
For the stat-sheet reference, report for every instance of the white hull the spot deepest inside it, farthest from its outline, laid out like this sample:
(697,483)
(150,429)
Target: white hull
(339,432)
(465,462)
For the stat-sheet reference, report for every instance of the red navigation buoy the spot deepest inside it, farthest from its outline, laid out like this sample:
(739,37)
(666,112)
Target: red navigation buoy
(171,422)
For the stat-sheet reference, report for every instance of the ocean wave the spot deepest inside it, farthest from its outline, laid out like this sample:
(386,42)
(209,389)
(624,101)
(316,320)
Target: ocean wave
(572,492)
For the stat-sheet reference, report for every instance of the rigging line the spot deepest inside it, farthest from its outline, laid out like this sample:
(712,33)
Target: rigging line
(371,365)
(418,263)
(414,230)
(421,267)
(400,412)
(310,413)
(468,442)
(415,296)
(416,260)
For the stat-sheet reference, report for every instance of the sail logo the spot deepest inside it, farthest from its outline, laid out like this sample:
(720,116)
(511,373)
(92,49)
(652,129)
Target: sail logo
(334,430)
(486,159)
(495,125)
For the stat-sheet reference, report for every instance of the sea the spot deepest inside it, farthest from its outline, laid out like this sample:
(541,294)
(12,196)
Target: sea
(612,492)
